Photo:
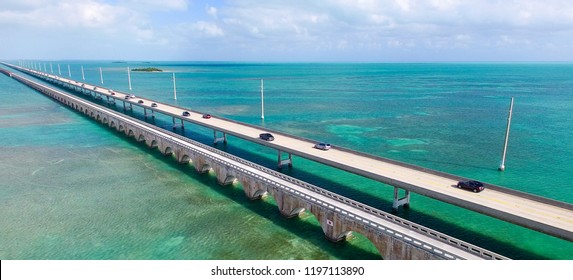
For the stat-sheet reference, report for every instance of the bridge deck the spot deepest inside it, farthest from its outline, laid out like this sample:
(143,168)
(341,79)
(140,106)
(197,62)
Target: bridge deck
(439,244)
(541,214)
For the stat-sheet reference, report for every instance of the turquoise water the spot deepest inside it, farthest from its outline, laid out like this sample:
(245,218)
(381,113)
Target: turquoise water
(72,189)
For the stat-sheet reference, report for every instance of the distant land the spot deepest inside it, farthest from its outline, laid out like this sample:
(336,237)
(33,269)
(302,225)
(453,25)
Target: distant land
(147,69)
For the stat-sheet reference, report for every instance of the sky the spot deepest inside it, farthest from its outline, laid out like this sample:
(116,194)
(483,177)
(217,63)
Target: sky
(288,31)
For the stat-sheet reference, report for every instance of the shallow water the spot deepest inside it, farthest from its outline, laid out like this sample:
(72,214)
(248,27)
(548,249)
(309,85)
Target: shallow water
(73,189)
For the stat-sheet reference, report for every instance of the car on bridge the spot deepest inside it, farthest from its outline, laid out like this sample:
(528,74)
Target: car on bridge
(266,136)
(186,114)
(153,104)
(471,185)
(140,101)
(206,116)
(322,146)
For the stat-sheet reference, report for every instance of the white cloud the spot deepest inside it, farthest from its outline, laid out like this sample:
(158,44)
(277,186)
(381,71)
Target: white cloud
(155,5)
(207,28)
(297,26)
(212,11)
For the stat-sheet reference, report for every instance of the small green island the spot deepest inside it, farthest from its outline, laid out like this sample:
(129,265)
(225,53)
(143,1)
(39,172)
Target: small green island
(147,69)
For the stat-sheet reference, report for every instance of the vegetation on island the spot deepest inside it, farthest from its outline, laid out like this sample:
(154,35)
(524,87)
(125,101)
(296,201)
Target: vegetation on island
(147,69)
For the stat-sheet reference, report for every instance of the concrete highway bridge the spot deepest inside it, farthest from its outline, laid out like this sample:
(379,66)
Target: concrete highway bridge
(545,215)
(394,237)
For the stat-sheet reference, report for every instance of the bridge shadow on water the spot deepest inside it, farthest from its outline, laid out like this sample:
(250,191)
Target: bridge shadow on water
(303,229)
(313,233)
(266,209)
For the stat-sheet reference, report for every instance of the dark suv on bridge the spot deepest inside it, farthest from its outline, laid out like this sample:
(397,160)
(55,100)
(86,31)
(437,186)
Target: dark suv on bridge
(266,136)
(471,185)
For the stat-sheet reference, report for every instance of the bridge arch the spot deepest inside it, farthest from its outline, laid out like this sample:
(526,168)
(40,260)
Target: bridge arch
(225,176)
(185,159)
(130,133)
(289,206)
(153,144)
(140,137)
(167,151)
(254,189)
(201,165)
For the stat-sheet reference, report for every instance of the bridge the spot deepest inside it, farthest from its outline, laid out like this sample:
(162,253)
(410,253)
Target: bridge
(339,216)
(538,213)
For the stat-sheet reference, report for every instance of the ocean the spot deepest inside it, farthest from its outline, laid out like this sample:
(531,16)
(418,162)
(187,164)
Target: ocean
(71,188)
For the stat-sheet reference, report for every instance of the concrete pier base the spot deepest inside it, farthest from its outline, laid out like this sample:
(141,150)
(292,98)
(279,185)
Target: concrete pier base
(401,201)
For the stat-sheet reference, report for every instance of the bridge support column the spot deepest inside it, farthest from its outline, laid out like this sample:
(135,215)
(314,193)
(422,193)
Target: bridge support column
(182,124)
(253,188)
(282,161)
(174,125)
(145,112)
(219,139)
(123,106)
(401,201)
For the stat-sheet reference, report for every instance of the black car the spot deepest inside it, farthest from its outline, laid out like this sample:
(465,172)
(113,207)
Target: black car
(471,185)
(140,101)
(154,104)
(266,136)
(186,114)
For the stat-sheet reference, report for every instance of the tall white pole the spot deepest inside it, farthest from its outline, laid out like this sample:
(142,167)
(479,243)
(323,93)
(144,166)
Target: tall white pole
(69,71)
(101,75)
(59,70)
(45,70)
(51,68)
(174,87)
(262,100)
(83,76)
(502,165)
(129,77)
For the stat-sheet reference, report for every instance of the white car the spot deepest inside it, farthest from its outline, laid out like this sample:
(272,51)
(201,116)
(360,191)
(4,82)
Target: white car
(322,146)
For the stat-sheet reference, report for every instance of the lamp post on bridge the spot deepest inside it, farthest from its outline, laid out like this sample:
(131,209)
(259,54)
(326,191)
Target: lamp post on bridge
(502,165)
(174,88)
(129,77)
(262,100)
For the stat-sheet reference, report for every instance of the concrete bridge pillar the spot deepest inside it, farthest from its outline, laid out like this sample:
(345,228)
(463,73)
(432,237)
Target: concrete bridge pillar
(282,162)
(399,201)
(181,156)
(333,227)
(289,206)
(200,164)
(219,139)
(224,174)
(151,143)
(254,189)
(165,149)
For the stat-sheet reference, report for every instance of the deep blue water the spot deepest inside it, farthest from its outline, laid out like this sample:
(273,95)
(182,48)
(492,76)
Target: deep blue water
(74,189)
